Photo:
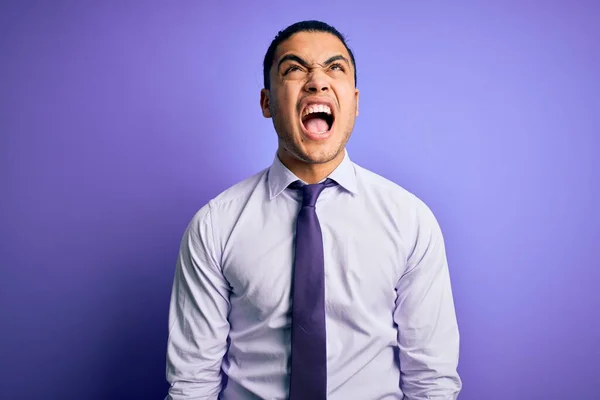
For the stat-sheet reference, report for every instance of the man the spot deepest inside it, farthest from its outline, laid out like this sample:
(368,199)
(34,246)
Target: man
(314,278)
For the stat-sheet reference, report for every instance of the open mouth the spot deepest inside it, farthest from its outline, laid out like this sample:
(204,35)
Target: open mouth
(317,119)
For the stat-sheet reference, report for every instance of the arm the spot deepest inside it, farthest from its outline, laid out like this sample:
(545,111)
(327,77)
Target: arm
(428,335)
(198,326)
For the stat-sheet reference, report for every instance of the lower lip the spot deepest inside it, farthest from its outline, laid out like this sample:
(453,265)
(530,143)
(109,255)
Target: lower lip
(317,136)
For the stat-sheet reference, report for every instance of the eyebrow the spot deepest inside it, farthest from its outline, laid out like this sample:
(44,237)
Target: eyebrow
(299,60)
(336,58)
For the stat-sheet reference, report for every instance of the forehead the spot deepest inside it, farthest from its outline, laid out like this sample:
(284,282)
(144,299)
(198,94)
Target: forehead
(312,46)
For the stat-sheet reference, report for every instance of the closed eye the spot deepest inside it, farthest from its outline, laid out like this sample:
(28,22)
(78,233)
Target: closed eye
(291,69)
(337,67)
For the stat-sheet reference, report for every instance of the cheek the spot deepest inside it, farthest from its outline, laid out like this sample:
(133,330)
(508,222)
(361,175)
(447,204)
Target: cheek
(347,99)
(345,91)
(283,109)
(286,95)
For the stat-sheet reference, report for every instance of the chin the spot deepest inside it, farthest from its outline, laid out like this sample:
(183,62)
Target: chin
(308,151)
(319,156)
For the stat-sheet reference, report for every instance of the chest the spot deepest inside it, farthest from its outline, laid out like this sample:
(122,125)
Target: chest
(364,256)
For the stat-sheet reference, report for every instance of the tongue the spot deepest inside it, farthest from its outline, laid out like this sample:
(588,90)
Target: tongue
(316,125)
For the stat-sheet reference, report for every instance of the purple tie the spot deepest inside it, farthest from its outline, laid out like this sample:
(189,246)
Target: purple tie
(308,380)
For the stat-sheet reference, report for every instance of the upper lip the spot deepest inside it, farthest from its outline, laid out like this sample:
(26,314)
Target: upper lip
(309,101)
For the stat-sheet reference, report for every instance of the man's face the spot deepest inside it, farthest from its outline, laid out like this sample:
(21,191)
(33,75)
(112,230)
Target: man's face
(313,99)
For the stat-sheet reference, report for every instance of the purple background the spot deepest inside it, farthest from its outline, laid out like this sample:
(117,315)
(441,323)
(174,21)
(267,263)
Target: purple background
(118,120)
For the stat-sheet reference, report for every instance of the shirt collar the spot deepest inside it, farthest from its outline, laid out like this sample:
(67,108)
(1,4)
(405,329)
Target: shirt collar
(280,177)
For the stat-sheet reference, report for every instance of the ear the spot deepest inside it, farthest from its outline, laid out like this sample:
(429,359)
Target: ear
(265,103)
(356,96)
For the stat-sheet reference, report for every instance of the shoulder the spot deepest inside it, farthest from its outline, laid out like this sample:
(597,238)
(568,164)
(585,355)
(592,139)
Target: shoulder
(240,190)
(232,198)
(395,196)
(372,181)
(374,184)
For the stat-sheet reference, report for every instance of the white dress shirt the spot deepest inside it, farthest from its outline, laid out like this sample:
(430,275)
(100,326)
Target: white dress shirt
(391,325)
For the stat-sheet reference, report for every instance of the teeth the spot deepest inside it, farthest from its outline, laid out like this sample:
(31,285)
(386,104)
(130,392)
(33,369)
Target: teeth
(315,108)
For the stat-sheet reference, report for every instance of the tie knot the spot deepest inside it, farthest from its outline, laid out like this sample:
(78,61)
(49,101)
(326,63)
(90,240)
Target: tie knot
(310,193)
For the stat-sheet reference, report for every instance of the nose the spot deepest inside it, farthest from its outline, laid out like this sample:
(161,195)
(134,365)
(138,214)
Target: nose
(317,83)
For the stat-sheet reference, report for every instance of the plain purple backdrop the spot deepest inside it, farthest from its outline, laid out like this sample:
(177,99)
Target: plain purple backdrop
(119,120)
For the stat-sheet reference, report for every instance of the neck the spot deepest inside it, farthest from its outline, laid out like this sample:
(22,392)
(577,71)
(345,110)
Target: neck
(310,173)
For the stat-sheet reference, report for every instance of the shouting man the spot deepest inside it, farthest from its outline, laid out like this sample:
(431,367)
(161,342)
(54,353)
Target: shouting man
(314,279)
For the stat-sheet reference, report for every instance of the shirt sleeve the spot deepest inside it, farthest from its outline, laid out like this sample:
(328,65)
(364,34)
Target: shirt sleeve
(428,336)
(198,325)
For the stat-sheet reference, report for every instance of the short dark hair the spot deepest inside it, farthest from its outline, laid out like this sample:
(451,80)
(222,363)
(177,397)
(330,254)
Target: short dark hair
(302,26)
